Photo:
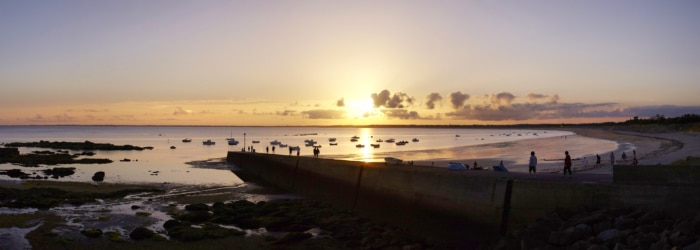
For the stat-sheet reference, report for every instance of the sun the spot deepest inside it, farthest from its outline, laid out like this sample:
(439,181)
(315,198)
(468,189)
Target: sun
(360,108)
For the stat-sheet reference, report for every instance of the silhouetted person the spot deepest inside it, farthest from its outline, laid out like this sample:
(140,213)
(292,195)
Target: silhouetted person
(532,166)
(273,149)
(624,156)
(612,159)
(567,163)
(267,149)
(597,160)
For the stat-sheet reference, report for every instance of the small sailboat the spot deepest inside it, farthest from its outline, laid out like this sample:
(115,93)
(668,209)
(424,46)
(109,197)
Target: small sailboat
(232,141)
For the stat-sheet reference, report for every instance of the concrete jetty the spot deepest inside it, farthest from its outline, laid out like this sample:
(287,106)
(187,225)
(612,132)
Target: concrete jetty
(466,206)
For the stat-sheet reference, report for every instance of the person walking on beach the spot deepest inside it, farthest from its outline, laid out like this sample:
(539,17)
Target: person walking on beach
(612,159)
(597,160)
(624,156)
(532,169)
(267,149)
(567,163)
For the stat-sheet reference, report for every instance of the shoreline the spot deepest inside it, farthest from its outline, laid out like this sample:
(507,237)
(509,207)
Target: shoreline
(651,148)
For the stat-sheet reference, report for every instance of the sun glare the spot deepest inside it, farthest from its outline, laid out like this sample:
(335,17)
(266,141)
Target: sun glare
(360,108)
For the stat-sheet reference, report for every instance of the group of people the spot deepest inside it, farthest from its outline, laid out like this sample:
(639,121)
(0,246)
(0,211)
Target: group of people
(532,165)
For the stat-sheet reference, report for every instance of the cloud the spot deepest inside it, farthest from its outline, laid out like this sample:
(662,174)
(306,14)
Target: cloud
(502,99)
(532,97)
(431,99)
(63,118)
(286,113)
(340,103)
(181,111)
(88,110)
(457,99)
(401,114)
(324,114)
(398,100)
(501,110)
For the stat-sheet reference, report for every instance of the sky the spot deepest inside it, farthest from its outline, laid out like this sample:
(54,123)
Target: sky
(317,63)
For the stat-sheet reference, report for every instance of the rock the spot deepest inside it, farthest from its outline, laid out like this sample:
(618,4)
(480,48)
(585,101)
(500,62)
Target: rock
(92,233)
(8,152)
(141,233)
(185,233)
(608,235)
(293,237)
(171,223)
(98,176)
(195,217)
(693,246)
(197,207)
(624,222)
(651,216)
(135,207)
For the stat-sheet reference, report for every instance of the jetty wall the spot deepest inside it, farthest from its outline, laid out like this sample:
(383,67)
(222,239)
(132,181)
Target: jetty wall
(457,201)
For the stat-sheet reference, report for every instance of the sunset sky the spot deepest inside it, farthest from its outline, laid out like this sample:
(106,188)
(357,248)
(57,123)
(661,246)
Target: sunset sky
(298,62)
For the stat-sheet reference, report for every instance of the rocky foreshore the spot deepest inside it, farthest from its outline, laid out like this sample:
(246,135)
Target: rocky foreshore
(620,228)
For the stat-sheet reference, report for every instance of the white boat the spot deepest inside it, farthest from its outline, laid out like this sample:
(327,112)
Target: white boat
(208,142)
(392,161)
(456,166)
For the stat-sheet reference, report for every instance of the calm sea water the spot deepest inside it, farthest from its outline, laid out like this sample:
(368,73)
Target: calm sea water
(170,164)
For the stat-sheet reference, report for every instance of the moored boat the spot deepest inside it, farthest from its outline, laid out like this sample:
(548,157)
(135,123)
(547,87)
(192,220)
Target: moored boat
(208,142)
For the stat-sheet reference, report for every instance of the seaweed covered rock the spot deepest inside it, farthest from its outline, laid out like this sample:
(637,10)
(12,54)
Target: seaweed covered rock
(613,228)
(98,176)
(92,233)
(141,233)
(59,172)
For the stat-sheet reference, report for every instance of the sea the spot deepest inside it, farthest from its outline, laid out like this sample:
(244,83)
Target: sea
(173,161)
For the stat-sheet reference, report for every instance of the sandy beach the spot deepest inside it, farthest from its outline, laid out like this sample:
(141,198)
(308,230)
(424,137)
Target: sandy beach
(651,149)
